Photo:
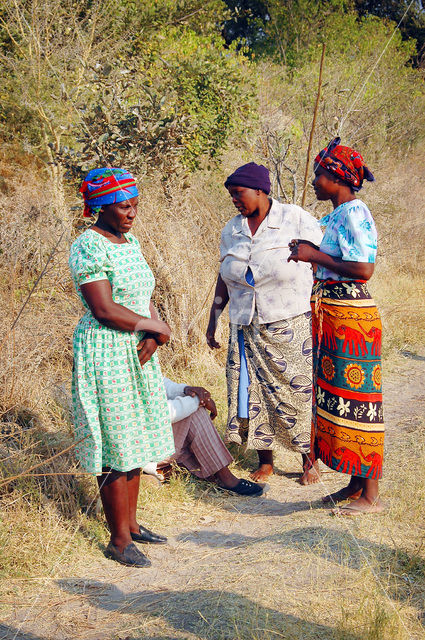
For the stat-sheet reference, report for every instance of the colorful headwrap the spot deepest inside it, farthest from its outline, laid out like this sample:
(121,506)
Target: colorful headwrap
(106,186)
(251,175)
(346,163)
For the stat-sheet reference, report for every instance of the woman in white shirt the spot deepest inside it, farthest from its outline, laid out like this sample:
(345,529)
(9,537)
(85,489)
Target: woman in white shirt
(269,365)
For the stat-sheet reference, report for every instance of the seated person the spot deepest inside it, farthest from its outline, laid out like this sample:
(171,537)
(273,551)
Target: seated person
(198,445)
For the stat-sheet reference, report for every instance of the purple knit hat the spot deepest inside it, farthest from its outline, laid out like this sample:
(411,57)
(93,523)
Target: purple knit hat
(251,175)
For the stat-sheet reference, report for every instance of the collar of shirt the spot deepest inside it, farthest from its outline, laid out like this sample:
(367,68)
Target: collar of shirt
(272,220)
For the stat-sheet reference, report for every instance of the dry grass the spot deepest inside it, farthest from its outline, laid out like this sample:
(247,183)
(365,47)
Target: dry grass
(316,583)
(307,577)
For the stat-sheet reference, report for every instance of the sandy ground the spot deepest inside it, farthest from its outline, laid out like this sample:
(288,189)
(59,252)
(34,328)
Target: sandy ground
(239,572)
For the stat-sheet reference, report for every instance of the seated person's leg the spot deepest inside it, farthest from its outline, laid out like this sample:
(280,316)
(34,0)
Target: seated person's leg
(206,456)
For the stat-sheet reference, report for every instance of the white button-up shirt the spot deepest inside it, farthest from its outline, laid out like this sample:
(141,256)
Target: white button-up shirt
(282,289)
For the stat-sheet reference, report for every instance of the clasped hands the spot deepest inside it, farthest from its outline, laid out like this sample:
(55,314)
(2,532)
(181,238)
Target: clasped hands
(205,399)
(151,341)
(302,251)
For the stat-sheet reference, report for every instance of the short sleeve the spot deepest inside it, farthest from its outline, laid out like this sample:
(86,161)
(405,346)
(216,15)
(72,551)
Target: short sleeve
(225,242)
(88,260)
(309,228)
(357,235)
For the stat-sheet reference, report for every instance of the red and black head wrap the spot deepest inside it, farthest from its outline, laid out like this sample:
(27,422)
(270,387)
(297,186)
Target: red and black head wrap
(346,163)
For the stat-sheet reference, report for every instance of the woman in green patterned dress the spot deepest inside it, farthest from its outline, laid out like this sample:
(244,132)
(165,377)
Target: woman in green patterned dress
(120,408)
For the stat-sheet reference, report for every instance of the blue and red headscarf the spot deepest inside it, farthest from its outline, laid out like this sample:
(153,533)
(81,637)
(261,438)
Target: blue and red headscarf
(346,163)
(107,185)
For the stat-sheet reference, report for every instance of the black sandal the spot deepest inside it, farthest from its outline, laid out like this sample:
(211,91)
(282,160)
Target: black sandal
(130,556)
(245,488)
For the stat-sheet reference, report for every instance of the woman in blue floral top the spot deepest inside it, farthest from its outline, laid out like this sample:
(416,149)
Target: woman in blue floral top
(348,427)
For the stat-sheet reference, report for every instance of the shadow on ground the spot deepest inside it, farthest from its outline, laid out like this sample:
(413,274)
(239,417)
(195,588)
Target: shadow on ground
(262,505)
(208,614)
(267,506)
(337,547)
(12,633)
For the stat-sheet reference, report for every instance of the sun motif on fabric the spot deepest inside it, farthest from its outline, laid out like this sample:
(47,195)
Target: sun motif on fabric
(328,368)
(377,376)
(354,375)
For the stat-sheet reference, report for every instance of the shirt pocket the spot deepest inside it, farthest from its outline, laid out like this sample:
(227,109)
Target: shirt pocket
(271,261)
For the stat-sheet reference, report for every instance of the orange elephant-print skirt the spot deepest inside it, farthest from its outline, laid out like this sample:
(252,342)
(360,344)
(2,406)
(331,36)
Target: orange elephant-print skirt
(348,426)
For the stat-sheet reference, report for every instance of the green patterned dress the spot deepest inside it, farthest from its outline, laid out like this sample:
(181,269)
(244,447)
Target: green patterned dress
(120,408)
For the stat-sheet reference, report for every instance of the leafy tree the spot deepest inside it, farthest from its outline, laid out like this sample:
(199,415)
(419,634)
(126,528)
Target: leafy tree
(280,30)
(147,84)
(413,22)
(284,28)
(174,108)
(246,22)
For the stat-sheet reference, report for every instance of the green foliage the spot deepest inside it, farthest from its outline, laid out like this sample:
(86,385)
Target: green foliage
(212,90)
(153,85)
(296,25)
(371,97)
(245,23)
(175,107)
(280,30)
(410,16)
(148,85)
(283,30)
(149,16)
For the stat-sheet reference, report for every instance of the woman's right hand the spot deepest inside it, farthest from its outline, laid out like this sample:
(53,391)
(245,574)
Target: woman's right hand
(302,251)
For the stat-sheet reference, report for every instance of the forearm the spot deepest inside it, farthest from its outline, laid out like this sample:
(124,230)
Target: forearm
(221,298)
(360,270)
(115,316)
(98,296)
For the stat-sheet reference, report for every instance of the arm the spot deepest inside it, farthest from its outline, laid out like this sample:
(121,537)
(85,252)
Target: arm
(98,296)
(193,397)
(307,252)
(221,298)
(173,389)
(182,407)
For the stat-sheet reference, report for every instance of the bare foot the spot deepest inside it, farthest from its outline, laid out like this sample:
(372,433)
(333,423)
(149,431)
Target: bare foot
(347,493)
(262,473)
(359,507)
(310,475)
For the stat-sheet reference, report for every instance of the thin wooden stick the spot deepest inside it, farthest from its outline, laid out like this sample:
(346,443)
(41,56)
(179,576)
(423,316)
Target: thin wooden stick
(313,125)
(202,306)
(58,473)
(40,464)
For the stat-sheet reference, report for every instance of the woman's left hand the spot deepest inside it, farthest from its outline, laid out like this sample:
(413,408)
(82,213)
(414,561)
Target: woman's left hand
(145,350)
(303,251)
(205,399)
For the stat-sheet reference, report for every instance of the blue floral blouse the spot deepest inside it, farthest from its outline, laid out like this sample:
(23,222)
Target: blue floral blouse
(350,234)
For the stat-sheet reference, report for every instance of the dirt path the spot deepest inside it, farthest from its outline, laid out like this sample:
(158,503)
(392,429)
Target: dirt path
(274,567)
